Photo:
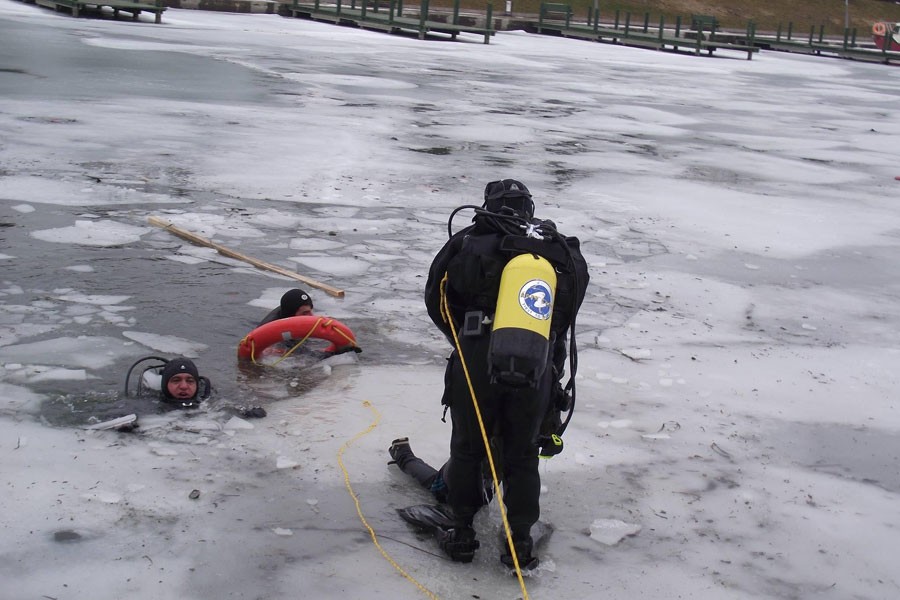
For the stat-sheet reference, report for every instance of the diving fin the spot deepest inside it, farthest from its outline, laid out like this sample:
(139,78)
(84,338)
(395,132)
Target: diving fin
(455,538)
(428,517)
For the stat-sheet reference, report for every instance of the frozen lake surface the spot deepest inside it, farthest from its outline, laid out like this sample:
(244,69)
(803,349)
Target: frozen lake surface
(736,434)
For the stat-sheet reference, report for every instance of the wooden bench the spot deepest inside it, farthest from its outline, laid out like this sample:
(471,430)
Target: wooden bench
(135,8)
(707,23)
(453,30)
(391,21)
(704,23)
(711,46)
(654,42)
(554,11)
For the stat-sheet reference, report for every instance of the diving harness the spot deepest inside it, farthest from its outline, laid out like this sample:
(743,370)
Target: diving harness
(520,335)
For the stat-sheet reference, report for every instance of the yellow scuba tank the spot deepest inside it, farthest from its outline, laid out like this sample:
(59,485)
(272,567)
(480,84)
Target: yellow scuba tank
(520,338)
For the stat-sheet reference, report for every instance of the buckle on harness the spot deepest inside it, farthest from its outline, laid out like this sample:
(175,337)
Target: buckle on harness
(550,445)
(473,323)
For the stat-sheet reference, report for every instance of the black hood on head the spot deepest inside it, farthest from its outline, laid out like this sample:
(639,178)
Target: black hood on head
(175,366)
(292,300)
(508,194)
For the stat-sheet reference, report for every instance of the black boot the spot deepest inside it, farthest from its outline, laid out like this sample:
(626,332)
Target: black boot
(400,452)
(458,543)
(524,548)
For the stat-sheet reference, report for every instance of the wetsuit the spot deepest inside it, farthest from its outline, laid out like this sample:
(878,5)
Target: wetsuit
(473,261)
(273,315)
(427,476)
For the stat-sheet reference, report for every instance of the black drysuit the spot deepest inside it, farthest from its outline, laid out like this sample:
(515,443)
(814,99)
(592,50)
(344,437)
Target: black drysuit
(473,260)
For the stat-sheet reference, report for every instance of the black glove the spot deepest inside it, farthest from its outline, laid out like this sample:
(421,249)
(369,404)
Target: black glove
(255,412)
(345,349)
(561,399)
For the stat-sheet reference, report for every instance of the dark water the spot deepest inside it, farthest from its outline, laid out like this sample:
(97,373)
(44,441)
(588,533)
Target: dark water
(42,62)
(205,302)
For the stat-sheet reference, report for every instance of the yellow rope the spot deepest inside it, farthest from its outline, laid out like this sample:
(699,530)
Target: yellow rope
(344,335)
(300,343)
(445,313)
(340,457)
(319,322)
(248,340)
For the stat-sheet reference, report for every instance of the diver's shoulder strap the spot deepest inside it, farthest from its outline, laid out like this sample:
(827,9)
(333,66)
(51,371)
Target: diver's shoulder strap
(520,244)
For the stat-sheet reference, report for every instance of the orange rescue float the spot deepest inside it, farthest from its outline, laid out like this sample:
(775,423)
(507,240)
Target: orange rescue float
(296,328)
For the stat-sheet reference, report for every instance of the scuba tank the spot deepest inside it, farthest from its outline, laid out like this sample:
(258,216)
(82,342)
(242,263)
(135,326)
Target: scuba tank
(520,338)
(151,379)
(519,350)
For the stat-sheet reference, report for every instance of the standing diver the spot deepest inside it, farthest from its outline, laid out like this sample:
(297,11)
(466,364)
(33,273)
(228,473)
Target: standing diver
(505,292)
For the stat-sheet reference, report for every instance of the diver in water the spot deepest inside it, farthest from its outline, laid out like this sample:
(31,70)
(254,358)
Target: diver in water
(294,303)
(298,303)
(177,380)
(180,383)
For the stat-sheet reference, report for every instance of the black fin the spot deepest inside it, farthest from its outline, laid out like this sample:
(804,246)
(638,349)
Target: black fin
(428,517)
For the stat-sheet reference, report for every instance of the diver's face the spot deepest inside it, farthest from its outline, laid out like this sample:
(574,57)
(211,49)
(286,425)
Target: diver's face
(182,386)
(303,311)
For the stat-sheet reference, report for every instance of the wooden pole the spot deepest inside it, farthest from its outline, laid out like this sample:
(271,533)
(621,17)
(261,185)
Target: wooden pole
(225,251)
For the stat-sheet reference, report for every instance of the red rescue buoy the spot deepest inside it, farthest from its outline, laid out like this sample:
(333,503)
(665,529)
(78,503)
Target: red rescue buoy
(296,328)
